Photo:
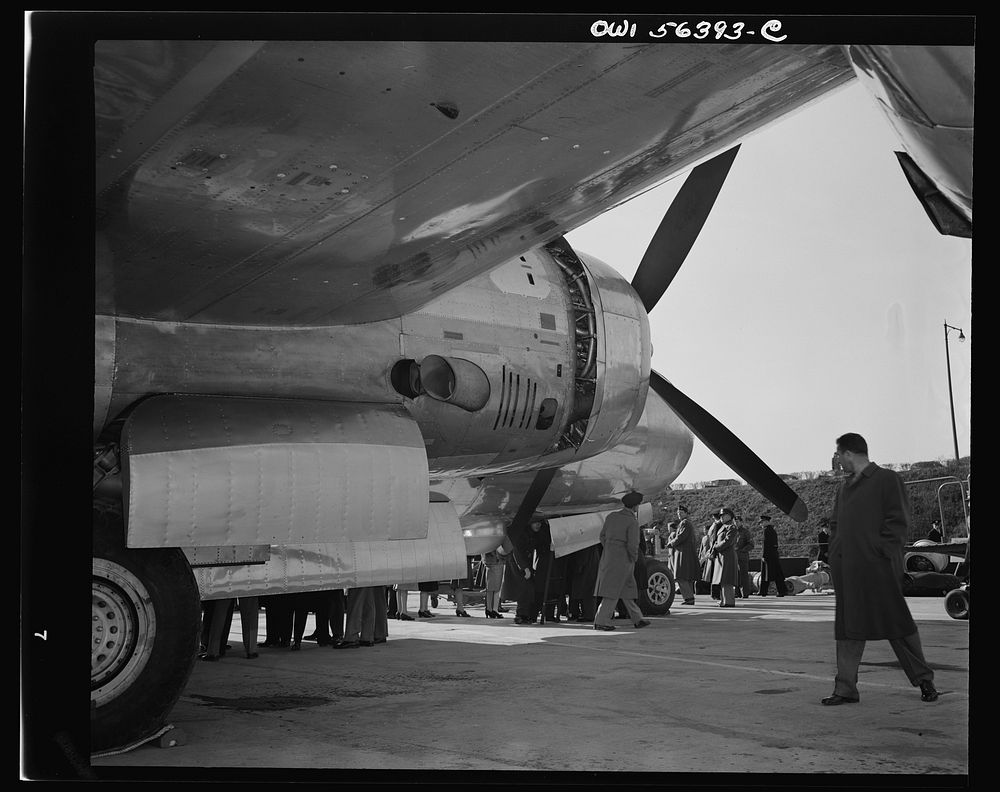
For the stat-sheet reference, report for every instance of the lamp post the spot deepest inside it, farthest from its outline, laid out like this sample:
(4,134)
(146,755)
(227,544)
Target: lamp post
(951,399)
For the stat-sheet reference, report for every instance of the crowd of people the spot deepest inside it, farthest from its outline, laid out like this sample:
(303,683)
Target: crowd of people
(522,571)
(595,583)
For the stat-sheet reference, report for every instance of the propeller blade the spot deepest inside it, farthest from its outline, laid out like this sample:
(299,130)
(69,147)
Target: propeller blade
(730,449)
(531,500)
(680,227)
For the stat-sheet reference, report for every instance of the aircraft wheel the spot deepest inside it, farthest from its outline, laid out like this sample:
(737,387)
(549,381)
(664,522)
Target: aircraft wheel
(656,589)
(144,635)
(956,604)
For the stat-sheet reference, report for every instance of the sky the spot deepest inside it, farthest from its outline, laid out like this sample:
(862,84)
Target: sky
(814,300)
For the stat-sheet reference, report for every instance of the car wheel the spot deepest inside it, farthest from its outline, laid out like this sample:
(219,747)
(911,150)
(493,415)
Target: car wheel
(956,604)
(656,589)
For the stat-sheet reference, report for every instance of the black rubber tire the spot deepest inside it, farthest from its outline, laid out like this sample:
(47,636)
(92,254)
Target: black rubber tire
(145,631)
(956,604)
(656,587)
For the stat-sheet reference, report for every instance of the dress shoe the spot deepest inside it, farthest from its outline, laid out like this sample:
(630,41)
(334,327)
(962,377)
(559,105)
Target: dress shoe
(209,658)
(405,617)
(366,643)
(252,655)
(268,643)
(462,613)
(324,641)
(346,644)
(835,699)
(425,614)
(927,691)
(497,615)
(380,640)
(688,602)
(502,609)
(296,646)
(604,627)
(282,644)
(642,623)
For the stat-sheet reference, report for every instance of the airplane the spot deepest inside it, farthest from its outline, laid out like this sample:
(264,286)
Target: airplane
(340,337)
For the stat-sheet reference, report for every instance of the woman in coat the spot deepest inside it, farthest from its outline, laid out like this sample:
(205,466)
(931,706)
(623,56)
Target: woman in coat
(494,579)
(725,573)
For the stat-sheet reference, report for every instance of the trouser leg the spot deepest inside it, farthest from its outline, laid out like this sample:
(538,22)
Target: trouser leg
(687,590)
(381,614)
(727,595)
(605,611)
(249,623)
(911,656)
(337,611)
(368,607)
(355,614)
(634,611)
(849,654)
(216,639)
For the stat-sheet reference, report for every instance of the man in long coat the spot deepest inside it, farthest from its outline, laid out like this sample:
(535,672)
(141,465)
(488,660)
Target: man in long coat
(686,566)
(868,528)
(744,544)
(725,570)
(616,572)
(770,568)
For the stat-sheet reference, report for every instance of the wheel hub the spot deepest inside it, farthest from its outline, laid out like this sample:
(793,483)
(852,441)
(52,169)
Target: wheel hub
(658,588)
(123,625)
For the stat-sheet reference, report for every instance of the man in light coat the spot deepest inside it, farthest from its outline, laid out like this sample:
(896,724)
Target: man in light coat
(686,566)
(868,528)
(616,572)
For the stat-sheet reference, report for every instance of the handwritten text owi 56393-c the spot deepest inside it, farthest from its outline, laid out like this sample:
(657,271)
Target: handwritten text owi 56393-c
(702,30)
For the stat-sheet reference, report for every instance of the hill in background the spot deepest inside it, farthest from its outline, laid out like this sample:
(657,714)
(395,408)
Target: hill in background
(817,491)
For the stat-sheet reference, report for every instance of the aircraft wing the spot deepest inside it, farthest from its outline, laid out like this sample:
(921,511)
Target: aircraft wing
(957,548)
(315,183)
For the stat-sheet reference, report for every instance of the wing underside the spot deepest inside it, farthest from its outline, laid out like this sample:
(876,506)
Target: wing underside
(312,183)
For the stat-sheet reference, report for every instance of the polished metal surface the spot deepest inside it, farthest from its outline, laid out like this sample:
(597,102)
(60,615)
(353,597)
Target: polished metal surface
(205,471)
(440,555)
(320,182)
(927,95)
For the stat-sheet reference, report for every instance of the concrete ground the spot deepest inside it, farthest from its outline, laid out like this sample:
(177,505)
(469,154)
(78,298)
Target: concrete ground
(703,690)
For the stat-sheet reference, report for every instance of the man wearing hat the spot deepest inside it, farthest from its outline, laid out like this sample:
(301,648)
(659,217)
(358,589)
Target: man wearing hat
(616,572)
(744,544)
(868,528)
(686,565)
(725,570)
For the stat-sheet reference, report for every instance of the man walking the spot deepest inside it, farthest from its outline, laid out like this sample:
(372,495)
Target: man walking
(744,544)
(868,529)
(616,572)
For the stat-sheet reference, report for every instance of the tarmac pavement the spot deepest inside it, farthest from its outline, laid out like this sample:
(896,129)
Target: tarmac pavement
(701,693)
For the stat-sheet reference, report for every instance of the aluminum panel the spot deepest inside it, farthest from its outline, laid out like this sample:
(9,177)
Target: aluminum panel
(570,534)
(440,555)
(204,471)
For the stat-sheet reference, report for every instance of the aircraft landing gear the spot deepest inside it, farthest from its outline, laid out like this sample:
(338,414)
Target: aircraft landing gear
(144,634)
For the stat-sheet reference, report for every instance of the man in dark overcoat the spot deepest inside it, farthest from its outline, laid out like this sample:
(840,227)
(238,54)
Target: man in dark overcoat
(616,572)
(686,565)
(725,570)
(770,568)
(582,573)
(744,544)
(868,528)
(518,580)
